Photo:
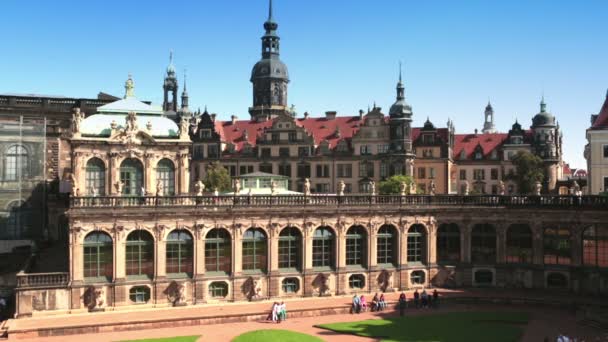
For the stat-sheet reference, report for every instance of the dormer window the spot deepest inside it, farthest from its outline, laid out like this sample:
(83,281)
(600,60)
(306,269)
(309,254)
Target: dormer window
(428,138)
(494,154)
(204,133)
(342,147)
(463,155)
(478,155)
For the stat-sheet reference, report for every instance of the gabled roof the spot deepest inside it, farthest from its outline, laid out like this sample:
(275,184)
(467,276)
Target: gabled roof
(469,142)
(601,122)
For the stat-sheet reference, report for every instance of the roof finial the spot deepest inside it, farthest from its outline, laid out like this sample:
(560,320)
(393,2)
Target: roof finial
(170,56)
(400,72)
(543,105)
(270,10)
(129,87)
(185,71)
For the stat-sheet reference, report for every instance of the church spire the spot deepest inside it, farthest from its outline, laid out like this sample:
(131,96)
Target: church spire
(185,96)
(170,86)
(400,87)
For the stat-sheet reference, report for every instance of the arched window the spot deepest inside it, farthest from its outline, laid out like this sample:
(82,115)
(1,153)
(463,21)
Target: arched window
(519,244)
(165,173)
(356,281)
(356,246)
(290,242)
(557,246)
(16,163)
(131,175)
(416,244)
(595,246)
(218,289)
(17,222)
(323,248)
(218,251)
(448,243)
(95,177)
(179,253)
(387,245)
(255,251)
(140,254)
(418,278)
(483,244)
(290,285)
(139,294)
(98,256)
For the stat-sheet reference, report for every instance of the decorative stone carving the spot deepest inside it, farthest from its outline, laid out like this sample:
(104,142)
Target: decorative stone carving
(251,289)
(160,188)
(341,187)
(131,122)
(118,186)
(273,187)
(537,188)
(321,284)
(501,188)
(403,188)
(577,188)
(77,118)
(413,188)
(384,280)
(149,126)
(466,188)
(94,299)
(184,129)
(372,187)
(176,293)
(237,186)
(306,187)
(199,187)
(432,188)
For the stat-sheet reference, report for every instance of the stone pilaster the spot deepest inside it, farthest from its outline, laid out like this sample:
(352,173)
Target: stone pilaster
(501,243)
(465,242)
(537,243)
(149,174)
(184,177)
(372,251)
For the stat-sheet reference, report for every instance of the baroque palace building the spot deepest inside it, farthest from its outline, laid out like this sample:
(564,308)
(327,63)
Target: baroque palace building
(139,231)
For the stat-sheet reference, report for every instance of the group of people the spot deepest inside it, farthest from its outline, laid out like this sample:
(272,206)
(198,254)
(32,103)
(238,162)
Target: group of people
(278,312)
(424,300)
(360,303)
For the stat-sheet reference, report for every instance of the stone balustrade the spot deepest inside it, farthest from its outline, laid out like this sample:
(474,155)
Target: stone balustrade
(43,280)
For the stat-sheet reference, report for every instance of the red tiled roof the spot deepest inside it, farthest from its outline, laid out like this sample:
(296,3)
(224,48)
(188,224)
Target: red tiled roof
(468,143)
(601,122)
(566,169)
(324,129)
(234,133)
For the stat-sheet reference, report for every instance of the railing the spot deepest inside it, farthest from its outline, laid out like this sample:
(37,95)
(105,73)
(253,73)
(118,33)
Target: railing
(42,279)
(549,201)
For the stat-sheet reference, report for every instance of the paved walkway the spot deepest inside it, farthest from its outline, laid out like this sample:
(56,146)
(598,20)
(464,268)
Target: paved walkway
(226,331)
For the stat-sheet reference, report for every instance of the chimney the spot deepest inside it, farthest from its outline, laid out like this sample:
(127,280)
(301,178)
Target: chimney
(213,117)
(361,114)
(305,115)
(233,117)
(475,131)
(331,115)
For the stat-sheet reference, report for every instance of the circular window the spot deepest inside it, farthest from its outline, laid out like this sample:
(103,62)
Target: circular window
(418,278)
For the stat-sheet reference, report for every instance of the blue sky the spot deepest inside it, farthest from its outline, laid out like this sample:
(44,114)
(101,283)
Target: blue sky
(342,55)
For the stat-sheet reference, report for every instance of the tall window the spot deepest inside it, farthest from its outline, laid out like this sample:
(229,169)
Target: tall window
(387,246)
(95,177)
(356,246)
(595,246)
(416,244)
(16,163)
(218,251)
(519,244)
(323,250)
(483,244)
(557,246)
(448,243)
(131,175)
(165,173)
(255,250)
(98,256)
(179,253)
(17,222)
(140,254)
(290,242)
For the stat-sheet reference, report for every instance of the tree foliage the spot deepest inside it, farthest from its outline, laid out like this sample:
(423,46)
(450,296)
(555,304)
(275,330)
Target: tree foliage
(528,170)
(217,177)
(392,186)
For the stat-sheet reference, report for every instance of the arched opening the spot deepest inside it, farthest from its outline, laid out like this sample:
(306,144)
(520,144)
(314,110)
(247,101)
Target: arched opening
(290,285)
(356,246)
(290,249)
(218,289)
(218,252)
(557,246)
(417,278)
(16,163)
(140,254)
(165,174)
(519,244)
(448,243)
(179,253)
(95,177)
(595,246)
(98,256)
(323,248)
(356,281)
(255,250)
(139,294)
(387,245)
(483,244)
(416,244)
(131,175)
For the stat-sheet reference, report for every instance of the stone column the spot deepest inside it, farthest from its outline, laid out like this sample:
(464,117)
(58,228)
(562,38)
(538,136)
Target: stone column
(465,242)
(237,251)
(160,255)
(432,243)
(403,244)
(198,295)
(273,249)
(76,261)
(78,170)
(149,174)
(114,173)
(184,177)
(373,246)
(501,243)
(119,254)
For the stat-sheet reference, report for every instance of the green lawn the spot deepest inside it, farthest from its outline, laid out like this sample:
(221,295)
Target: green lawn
(169,339)
(275,335)
(447,327)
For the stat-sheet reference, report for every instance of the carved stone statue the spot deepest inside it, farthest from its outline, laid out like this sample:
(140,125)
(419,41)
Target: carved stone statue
(76,192)
(273,187)
(237,186)
(149,126)
(501,188)
(341,188)
(403,188)
(432,188)
(384,280)
(113,125)
(321,284)
(77,118)
(216,192)
(466,188)
(118,186)
(176,293)
(93,191)
(131,122)
(251,289)
(577,188)
(537,188)
(413,189)
(160,188)
(94,299)
(199,187)
(372,187)
(184,128)
(307,187)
